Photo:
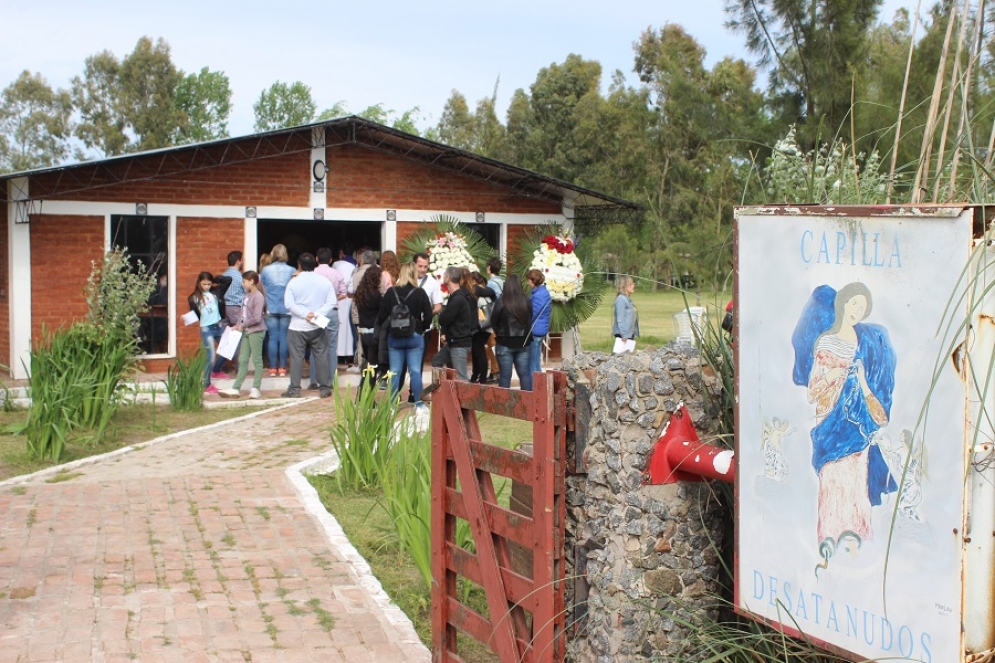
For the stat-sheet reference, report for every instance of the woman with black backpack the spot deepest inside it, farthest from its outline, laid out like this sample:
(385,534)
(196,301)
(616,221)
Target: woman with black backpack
(407,313)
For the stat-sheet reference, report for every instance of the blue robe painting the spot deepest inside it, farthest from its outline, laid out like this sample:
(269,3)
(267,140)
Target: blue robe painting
(848,368)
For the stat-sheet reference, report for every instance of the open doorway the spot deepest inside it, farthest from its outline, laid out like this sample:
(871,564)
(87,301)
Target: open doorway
(308,236)
(491,232)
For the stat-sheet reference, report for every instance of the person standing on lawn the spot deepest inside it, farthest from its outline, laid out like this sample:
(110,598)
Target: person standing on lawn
(511,320)
(407,350)
(308,296)
(625,317)
(252,324)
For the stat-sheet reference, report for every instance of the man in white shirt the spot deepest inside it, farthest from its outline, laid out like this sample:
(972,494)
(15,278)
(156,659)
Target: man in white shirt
(428,283)
(309,298)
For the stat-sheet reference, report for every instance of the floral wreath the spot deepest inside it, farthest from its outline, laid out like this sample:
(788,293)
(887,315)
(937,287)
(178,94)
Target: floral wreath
(448,243)
(553,252)
(556,259)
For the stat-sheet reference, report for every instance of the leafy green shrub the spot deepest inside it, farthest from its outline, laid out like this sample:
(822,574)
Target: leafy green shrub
(76,371)
(75,376)
(185,382)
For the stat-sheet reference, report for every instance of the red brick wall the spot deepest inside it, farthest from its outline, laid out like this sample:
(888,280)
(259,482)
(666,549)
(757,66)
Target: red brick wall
(59,270)
(361,177)
(201,245)
(278,180)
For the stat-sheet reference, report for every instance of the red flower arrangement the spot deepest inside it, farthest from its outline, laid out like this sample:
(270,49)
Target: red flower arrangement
(557,244)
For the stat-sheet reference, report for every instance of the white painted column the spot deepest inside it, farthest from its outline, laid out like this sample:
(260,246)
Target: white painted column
(19,277)
(319,198)
(389,237)
(250,245)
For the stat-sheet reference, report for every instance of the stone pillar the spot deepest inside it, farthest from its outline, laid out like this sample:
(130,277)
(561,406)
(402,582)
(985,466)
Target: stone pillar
(651,552)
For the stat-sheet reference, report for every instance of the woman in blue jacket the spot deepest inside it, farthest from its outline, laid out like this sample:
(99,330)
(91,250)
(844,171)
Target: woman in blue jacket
(542,309)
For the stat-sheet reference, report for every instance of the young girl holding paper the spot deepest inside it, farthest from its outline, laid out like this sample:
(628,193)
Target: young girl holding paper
(204,303)
(252,324)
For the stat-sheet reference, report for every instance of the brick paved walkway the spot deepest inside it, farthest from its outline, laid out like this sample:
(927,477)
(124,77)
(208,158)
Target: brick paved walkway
(200,547)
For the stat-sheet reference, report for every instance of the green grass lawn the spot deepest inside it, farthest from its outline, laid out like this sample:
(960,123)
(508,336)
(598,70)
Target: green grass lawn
(656,316)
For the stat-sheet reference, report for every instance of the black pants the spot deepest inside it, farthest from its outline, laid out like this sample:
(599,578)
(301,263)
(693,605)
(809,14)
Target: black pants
(478,357)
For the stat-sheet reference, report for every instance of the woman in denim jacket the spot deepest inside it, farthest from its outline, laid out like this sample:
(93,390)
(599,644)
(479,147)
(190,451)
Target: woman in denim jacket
(275,278)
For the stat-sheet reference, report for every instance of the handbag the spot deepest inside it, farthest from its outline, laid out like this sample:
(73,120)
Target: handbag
(485,308)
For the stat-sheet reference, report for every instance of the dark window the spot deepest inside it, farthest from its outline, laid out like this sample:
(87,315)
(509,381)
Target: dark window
(146,239)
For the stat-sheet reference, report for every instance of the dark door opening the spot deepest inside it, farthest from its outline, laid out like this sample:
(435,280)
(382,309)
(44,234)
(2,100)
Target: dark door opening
(491,232)
(309,236)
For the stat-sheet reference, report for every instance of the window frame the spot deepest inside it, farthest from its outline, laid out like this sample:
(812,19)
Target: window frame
(170,273)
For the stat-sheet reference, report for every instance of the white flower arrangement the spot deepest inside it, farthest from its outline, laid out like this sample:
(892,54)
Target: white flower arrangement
(561,268)
(448,249)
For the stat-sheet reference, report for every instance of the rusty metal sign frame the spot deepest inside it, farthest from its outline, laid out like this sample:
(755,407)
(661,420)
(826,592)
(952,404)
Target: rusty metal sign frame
(974,411)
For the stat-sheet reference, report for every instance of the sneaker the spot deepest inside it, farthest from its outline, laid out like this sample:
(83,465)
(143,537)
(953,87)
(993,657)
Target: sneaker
(411,397)
(255,394)
(218,375)
(228,393)
(325,393)
(313,387)
(291,393)
(282,372)
(211,390)
(272,372)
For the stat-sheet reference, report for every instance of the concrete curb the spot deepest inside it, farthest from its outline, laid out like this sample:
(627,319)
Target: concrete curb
(337,539)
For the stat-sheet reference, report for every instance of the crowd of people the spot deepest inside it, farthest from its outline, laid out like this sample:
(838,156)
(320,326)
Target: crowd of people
(356,310)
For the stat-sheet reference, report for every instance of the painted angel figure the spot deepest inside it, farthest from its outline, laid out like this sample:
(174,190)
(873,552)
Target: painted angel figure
(775,466)
(848,368)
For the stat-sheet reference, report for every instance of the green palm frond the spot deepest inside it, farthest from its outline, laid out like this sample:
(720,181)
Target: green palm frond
(443,223)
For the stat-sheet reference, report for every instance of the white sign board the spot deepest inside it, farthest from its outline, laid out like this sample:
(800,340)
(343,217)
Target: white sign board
(851,427)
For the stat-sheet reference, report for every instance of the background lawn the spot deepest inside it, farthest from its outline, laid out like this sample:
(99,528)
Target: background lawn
(656,316)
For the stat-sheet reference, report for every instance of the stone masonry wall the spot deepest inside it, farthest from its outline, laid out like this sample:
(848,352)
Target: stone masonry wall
(650,551)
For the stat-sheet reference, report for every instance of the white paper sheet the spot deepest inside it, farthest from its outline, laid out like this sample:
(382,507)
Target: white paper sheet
(189,318)
(228,345)
(320,320)
(623,345)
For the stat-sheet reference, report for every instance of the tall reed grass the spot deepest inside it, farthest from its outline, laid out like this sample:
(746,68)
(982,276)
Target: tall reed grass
(185,382)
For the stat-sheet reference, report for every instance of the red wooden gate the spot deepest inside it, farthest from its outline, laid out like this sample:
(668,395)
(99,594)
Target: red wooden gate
(525,620)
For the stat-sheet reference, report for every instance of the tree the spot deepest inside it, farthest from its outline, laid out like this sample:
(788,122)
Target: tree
(147,83)
(34,124)
(456,125)
(813,49)
(283,105)
(95,95)
(203,102)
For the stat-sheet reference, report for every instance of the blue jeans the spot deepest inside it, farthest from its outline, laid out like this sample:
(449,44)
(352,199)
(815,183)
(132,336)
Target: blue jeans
(458,357)
(277,325)
(520,358)
(409,350)
(208,336)
(535,358)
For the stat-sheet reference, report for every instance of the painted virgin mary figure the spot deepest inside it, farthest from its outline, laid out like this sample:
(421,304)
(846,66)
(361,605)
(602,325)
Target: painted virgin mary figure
(848,368)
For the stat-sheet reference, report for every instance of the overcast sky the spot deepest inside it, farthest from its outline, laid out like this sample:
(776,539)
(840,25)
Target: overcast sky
(401,54)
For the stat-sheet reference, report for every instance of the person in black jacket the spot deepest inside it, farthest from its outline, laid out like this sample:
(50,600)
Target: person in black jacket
(478,351)
(458,319)
(408,350)
(511,320)
(367,303)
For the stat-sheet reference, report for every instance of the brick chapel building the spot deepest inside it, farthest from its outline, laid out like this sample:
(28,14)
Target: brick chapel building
(183,209)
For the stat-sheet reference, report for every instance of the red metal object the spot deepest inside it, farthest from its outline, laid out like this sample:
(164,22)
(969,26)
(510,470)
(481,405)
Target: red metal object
(680,456)
(463,488)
